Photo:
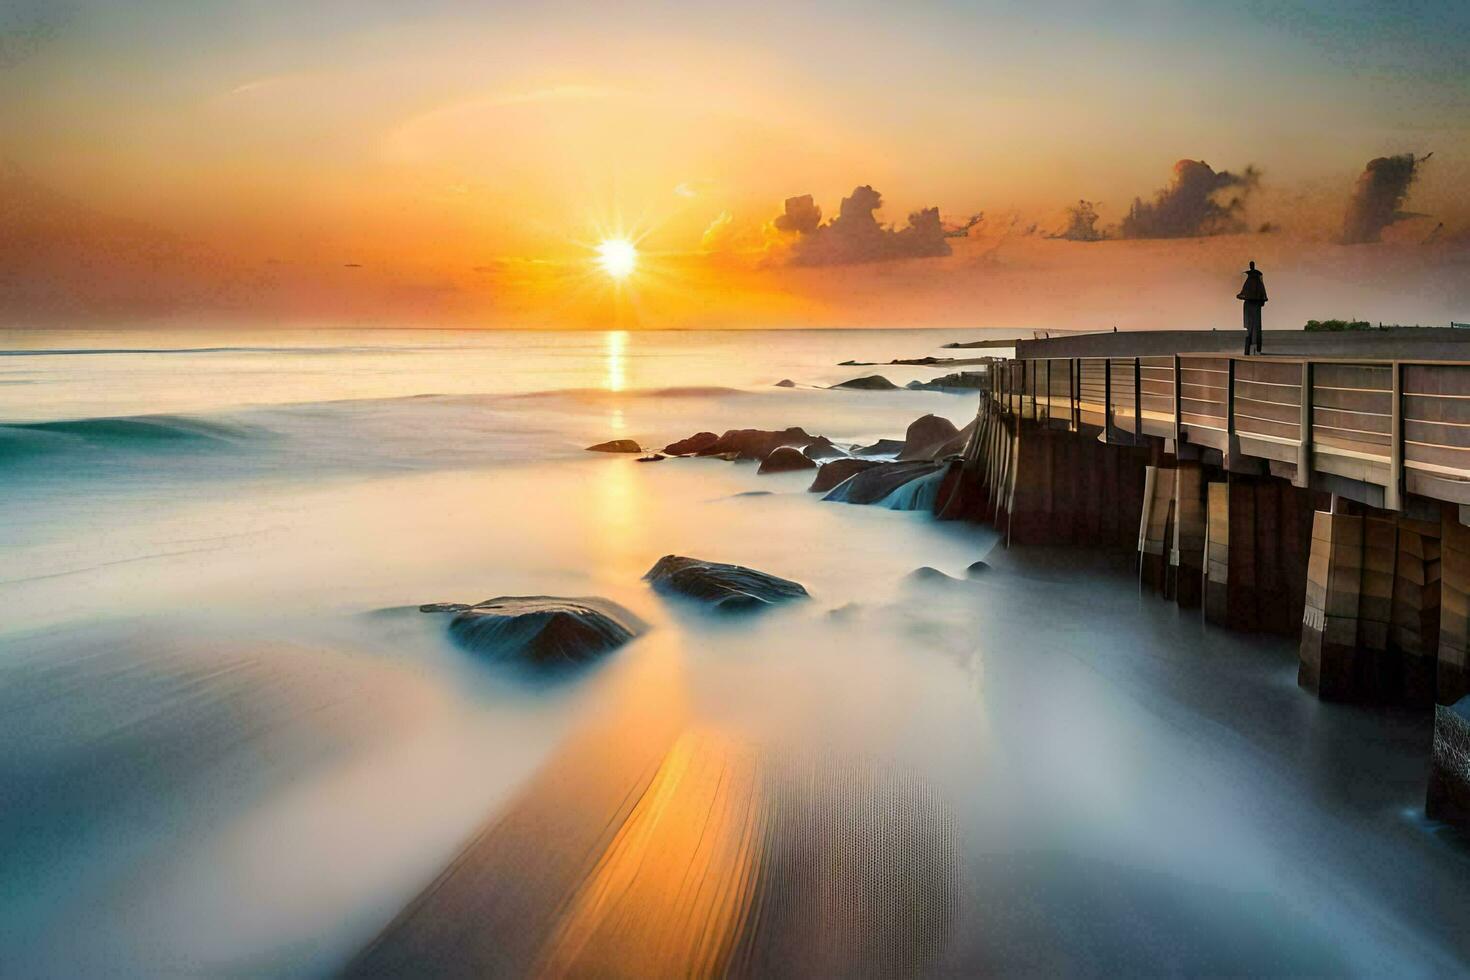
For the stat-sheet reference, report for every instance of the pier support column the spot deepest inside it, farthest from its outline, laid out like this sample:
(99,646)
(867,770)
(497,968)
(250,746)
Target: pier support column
(1187,551)
(1155,527)
(1454,625)
(1217,553)
(1378,674)
(1328,649)
(1414,637)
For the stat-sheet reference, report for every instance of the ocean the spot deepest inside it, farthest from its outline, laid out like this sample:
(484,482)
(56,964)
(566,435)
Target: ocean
(230,743)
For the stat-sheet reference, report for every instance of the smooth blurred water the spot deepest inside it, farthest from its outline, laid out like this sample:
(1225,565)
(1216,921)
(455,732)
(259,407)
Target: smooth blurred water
(228,747)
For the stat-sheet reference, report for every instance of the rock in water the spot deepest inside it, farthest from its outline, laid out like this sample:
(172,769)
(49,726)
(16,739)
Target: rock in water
(785,383)
(976,568)
(959,383)
(834,472)
(1449,775)
(757,443)
(872,485)
(652,458)
(616,446)
(785,460)
(883,447)
(873,382)
(544,630)
(698,442)
(444,607)
(726,587)
(926,436)
(822,449)
(928,573)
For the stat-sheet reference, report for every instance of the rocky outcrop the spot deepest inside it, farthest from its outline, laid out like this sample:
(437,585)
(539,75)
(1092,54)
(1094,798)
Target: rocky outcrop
(756,443)
(872,485)
(832,473)
(785,383)
(616,446)
(873,382)
(444,607)
(544,630)
(883,447)
(1449,775)
(976,569)
(960,382)
(696,443)
(822,450)
(786,459)
(652,458)
(927,436)
(725,587)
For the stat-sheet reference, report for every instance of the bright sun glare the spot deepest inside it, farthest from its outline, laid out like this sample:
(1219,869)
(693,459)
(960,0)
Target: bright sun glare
(617,256)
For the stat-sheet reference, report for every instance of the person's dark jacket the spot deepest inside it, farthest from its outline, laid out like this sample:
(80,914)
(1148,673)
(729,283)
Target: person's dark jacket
(1254,290)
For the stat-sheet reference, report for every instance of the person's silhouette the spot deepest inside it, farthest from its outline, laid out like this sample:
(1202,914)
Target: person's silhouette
(1253,295)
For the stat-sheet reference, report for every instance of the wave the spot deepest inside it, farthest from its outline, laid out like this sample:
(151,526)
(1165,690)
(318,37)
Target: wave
(19,440)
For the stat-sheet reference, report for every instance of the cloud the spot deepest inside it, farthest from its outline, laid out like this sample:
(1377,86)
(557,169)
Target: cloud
(1189,206)
(801,216)
(1380,192)
(719,236)
(855,235)
(694,188)
(1081,224)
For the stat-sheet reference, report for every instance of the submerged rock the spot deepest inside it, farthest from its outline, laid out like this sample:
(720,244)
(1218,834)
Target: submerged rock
(976,569)
(883,447)
(698,442)
(1448,797)
(652,458)
(786,459)
(757,443)
(785,383)
(873,382)
(544,630)
(726,587)
(443,607)
(616,446)
(927,573)
(926,437)
(872,485)
(832,473)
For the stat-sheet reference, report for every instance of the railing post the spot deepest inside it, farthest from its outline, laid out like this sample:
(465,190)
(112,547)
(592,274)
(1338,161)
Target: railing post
(1232,444)
(1304,447)
(1107,398)
(1178,404)
(1138,398)
(1393,493)
(1035,406)
(1048,392)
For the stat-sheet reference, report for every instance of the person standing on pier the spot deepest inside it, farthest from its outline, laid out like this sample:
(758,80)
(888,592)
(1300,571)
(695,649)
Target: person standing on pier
(1253,293)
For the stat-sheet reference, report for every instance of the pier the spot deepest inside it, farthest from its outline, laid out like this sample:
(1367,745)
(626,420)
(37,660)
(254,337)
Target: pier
(1322,490)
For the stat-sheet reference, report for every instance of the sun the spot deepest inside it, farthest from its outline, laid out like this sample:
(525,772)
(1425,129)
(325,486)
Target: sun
(618,257)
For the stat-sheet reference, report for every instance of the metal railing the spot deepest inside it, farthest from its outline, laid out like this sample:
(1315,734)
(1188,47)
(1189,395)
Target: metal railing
(1400,426)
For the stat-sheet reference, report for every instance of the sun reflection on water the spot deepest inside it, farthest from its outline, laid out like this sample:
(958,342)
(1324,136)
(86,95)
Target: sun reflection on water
(615,341)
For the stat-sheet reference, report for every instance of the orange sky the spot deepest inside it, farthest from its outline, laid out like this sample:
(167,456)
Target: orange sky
(358,164)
